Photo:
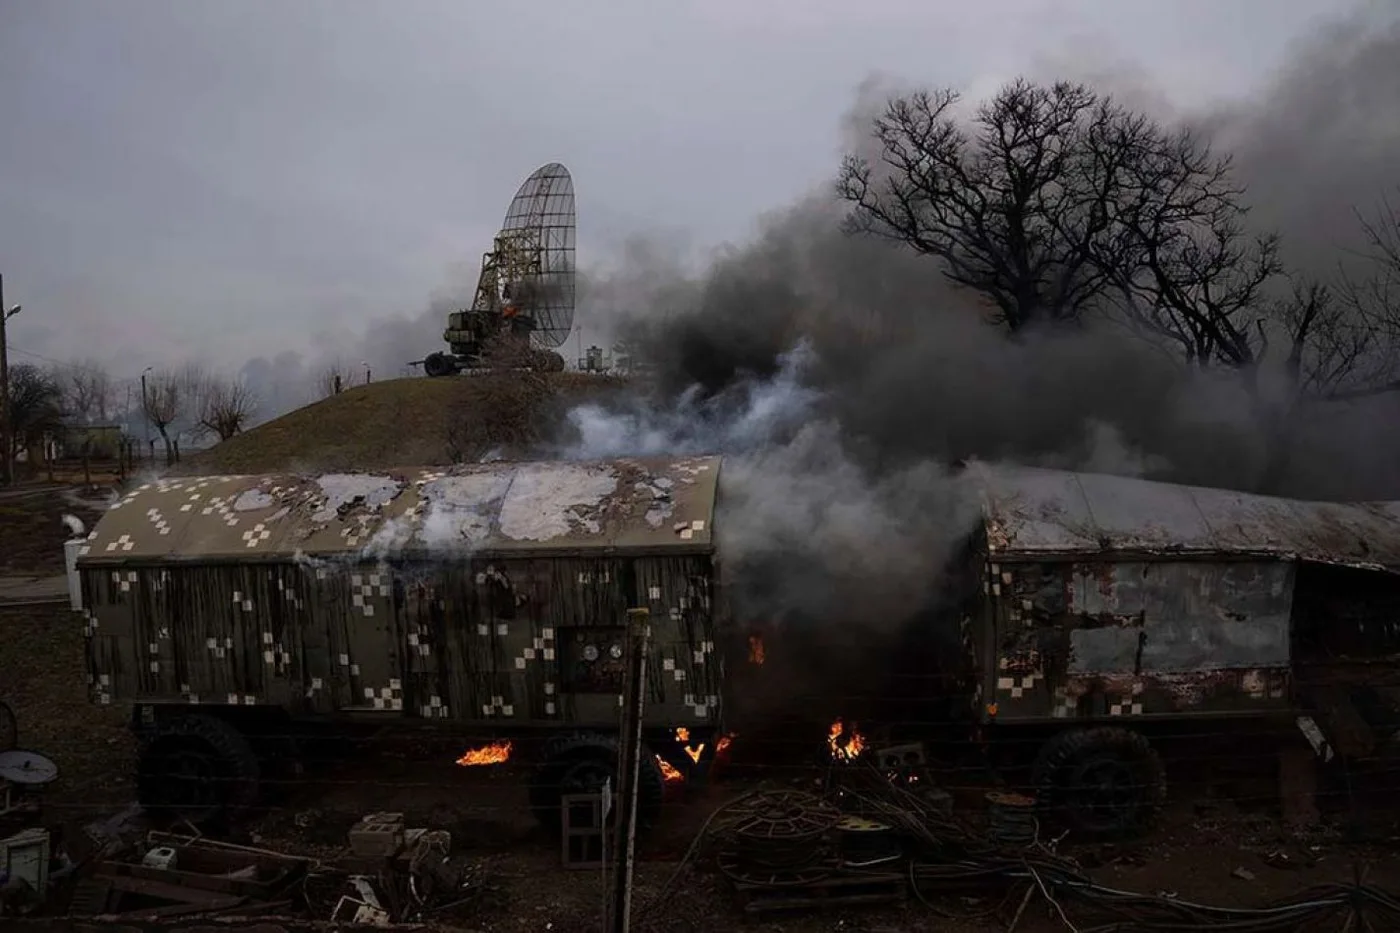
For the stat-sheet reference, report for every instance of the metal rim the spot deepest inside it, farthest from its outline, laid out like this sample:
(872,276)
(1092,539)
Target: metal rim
(736,869)
(586,776)
(1104,792)
(784,815)
(187,778)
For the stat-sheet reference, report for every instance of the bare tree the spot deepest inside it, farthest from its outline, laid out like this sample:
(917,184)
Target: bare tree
(1191,272)
(166,401)
(1055,203)
(1021,208)
(221,405)
(87,390)
(36,406)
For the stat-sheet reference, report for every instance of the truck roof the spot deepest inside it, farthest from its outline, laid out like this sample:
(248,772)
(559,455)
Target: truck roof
(1035,512)
(627,506)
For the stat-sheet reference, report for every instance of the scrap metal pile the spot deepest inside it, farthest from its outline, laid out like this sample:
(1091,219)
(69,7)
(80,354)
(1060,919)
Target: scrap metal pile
(866,839)
(117,871)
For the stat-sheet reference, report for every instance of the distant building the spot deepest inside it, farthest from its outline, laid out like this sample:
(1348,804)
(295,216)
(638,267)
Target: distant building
(99,441)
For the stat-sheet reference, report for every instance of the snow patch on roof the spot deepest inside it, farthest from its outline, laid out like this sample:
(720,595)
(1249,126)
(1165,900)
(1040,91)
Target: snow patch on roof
(548,501)
(341,489)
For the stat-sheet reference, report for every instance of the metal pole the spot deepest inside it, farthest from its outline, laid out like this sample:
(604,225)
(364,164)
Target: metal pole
(629,767)
(7,471)
(146,409)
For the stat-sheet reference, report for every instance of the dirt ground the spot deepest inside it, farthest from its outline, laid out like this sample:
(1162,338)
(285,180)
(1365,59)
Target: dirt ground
(32,531)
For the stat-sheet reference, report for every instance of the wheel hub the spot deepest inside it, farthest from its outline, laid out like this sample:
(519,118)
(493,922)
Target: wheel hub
(1104,791)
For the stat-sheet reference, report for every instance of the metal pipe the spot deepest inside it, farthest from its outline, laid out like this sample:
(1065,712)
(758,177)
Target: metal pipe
(629,768)
(7,468)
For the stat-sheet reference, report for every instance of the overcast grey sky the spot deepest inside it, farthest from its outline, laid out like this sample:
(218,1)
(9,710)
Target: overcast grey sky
(220,180)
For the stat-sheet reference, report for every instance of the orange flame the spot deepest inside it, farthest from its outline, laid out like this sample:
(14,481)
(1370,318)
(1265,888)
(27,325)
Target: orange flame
(844,741)
(494,754)
(723,744)
(755,649)
(683,737)
(668,771)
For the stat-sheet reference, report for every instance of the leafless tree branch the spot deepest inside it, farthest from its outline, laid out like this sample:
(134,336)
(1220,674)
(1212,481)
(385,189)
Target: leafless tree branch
(222,405)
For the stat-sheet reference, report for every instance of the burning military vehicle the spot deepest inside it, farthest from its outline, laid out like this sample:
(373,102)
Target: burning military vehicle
(225,609)
(228,611)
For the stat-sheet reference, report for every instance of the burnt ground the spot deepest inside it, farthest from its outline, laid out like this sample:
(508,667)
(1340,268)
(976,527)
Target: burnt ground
(1203,839)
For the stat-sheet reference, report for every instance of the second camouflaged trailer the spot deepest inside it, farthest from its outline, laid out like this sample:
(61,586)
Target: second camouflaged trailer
(1101,609)
(229,611)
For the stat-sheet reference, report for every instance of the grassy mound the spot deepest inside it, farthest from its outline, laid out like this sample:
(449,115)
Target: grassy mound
(401,422)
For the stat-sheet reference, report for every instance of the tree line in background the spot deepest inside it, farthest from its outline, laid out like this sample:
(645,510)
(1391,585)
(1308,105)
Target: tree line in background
(186,401)
(46,401)
(1058,207)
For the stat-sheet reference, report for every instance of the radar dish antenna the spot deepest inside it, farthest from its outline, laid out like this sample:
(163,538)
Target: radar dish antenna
(530,271)
(527,284)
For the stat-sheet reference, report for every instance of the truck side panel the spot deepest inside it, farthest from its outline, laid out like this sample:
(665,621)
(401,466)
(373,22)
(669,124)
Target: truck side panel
(518,642)
(1111,639)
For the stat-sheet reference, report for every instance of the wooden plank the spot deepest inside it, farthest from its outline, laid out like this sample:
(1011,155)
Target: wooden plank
(242,887)
(158,889)
(176,910)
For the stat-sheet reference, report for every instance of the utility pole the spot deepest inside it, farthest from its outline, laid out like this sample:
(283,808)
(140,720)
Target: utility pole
(146,412)
(7,444)
(629,768)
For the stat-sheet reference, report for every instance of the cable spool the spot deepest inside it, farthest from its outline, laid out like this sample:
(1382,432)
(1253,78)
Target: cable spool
(1011,819)
(867,842)
(778,835)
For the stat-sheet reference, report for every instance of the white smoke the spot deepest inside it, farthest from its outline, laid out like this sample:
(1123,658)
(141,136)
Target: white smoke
(749,416)
(804,527)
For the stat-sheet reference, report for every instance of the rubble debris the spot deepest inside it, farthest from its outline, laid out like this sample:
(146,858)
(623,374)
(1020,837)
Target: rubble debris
(378,836)
(775,848)
(173,877)
(24,871)
(363,907)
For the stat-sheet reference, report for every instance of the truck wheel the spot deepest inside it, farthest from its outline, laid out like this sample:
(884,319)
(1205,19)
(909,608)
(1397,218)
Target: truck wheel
(439,364)
(197,767)
(579,764)
(1100,782)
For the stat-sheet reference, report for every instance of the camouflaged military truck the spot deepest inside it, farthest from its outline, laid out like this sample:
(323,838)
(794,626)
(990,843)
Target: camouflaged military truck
(232,611)
(1099,610)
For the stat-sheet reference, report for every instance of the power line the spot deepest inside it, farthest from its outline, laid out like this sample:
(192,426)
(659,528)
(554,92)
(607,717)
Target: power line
(37,356)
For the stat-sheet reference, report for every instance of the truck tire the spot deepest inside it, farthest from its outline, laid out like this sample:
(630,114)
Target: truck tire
(197,767)
(579,764)
(1101,782)
(439,364)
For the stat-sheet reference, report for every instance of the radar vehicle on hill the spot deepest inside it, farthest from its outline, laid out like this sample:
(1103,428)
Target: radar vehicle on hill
(526,289)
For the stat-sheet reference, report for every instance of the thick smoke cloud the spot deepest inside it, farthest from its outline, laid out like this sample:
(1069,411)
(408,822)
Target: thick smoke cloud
(798,512)
(839,501)
(908,368)
(843,375)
